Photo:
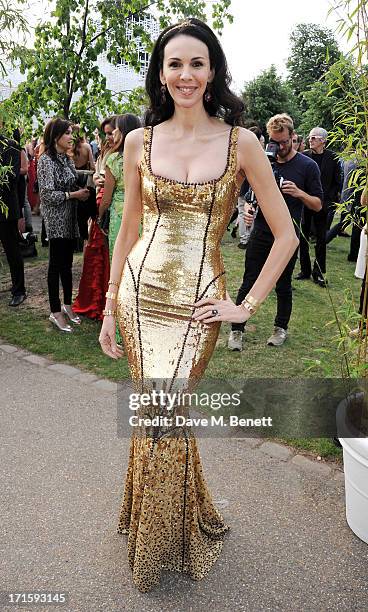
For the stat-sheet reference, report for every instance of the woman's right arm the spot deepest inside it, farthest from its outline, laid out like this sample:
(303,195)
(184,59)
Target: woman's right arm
(108,191)
(128,234)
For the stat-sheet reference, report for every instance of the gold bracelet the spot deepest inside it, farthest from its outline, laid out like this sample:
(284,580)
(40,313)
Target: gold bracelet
(248,307)
(112,282)
(109,313)
(252,301)
(110,295)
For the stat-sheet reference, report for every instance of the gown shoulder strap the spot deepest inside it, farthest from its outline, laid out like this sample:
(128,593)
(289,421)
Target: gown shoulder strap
(233,148)
(147,140)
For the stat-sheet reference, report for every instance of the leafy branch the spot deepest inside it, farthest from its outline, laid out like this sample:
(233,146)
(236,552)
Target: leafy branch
(63,74)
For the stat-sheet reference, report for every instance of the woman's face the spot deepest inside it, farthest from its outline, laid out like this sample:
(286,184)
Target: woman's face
(108,130)
(65,142)
(186,70)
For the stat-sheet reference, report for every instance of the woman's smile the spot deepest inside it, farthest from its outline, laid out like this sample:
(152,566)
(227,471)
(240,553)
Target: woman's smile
(186,90)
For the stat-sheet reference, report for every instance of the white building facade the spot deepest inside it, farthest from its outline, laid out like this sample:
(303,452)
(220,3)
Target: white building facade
(123,77)
(119,78)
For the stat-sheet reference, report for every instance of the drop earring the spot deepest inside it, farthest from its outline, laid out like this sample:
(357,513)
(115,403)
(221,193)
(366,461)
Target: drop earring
(208,95)
(163,94)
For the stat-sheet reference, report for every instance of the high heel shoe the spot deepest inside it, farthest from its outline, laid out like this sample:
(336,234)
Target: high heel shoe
(72,315)
(65,327)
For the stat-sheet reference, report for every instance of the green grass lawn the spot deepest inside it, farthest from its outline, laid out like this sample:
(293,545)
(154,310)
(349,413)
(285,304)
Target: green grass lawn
(28,327)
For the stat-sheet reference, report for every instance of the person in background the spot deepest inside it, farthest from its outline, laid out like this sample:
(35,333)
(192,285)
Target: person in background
(95,144)
(301,143)
(350,198)
(106,128)
(32,193)
(83,160)
(37,152)
(244,232)
(329,167)
(361,272)
(113,196)
(11,221)
(22,184)
(96,264)
(298,143)
(57,179)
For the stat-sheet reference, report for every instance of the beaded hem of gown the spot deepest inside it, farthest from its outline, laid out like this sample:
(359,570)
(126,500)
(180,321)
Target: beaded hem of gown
(167,509)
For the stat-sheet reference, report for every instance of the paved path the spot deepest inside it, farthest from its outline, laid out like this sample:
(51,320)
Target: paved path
(63,467)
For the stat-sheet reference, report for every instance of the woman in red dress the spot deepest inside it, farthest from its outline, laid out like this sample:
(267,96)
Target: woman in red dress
(93,285)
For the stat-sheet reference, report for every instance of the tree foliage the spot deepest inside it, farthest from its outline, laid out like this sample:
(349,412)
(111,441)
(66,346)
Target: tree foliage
(324,97)
(11,19)
(64,60)
(313,50)
(267,95)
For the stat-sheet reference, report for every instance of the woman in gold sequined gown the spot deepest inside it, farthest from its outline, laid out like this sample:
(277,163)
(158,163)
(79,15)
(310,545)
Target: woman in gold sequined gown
(182,175)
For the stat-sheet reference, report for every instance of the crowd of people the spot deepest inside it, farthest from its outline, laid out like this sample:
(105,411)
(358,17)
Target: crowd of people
(77,186)
(312,192)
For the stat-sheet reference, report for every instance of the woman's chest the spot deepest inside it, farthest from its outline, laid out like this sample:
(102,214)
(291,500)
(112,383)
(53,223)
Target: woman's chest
(189,162)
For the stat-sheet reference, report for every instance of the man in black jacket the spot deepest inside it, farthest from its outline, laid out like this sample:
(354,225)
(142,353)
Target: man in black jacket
(329,166)
(11,221)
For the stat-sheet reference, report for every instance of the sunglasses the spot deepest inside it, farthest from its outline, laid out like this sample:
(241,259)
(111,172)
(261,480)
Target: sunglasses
(281,143)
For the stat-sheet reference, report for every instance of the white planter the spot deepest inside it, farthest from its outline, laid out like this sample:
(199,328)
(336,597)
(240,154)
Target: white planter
(356,477)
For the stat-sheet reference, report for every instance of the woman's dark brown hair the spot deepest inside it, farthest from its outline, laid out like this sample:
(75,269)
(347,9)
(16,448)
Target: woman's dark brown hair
(54,130)
(105,147)
(125,124)
(223,102)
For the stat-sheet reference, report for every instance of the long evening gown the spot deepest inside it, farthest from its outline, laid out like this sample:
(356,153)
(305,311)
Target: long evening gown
(94,281)
(167,509)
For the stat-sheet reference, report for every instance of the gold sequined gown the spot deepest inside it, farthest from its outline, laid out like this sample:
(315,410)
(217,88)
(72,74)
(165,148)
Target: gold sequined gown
(167,509)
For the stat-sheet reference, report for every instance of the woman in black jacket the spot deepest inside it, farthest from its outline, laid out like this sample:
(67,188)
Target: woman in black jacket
(58,195)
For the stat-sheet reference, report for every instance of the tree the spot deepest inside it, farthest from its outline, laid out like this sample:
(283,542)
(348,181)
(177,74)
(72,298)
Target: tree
(11,19)
(64,59)
(313,50)
(324,97)
(267,95)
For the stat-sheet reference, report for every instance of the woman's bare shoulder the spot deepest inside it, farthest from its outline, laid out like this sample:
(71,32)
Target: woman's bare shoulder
(246,137)
(249,151)
(133,147)
(134,139)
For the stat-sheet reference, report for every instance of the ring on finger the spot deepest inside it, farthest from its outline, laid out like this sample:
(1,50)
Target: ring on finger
(214,312)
